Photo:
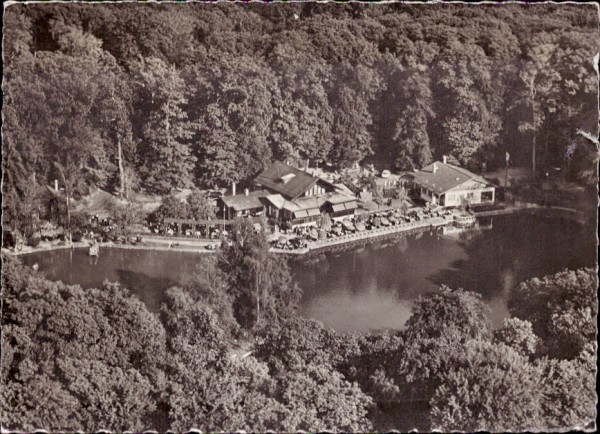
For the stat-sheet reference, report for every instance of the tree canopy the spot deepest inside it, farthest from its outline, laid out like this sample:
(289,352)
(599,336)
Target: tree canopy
(97,358)
(206,94)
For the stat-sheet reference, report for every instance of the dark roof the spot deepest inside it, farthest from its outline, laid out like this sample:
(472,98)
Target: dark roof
(287,180)
(241,202)
(445,178)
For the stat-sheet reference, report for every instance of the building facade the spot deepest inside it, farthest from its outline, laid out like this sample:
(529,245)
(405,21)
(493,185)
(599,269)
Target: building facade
(451,186)
(248,204)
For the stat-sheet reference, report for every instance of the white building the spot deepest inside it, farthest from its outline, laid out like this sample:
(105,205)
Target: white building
(446,185)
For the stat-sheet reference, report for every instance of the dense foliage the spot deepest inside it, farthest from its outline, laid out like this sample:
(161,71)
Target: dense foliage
(160,97)
(206,94)
(88,359)
(197,205)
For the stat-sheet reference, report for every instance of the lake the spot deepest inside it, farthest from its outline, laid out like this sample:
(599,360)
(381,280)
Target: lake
(371,286)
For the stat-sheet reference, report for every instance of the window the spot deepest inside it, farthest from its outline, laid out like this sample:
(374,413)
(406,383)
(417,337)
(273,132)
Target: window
(487,196)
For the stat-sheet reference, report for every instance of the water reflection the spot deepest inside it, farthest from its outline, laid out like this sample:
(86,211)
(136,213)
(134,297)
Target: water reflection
(371,309)
(517,249)
(374,285)
(148,288)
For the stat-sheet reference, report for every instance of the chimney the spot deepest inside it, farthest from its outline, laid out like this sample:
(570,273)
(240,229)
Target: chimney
(56,185)
(435,167)
(233,188)
(246,192)
(445,160)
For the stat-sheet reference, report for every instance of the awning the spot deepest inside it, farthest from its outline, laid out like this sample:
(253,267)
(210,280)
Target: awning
(313,212)
(338,207)
(247,207)
(300,214)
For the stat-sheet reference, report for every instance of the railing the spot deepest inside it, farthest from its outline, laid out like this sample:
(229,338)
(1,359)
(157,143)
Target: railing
(375,232)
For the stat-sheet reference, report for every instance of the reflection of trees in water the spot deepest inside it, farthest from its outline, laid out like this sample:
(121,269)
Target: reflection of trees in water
(402,244)
(519,247)
(507,277)
(151,290)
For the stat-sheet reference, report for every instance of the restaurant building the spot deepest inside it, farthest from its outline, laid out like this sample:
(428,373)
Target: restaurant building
(248,204)
(291,183)
(447,185)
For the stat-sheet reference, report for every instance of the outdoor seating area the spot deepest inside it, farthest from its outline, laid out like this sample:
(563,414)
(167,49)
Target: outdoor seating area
(187,231)
(359,225)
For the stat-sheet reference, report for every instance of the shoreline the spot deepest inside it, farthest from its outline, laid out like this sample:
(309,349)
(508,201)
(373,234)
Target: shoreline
(312,246)
(80,245)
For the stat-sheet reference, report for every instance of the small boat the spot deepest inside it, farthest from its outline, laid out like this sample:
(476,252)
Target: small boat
(94,250)
(464,219)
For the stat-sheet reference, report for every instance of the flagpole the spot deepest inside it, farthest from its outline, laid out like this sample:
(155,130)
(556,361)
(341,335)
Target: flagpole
(506,171)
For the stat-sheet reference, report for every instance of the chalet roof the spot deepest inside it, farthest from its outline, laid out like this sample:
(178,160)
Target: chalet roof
(304,203)
(100,203)
(241,202)
(343,189)
(445,178)
(336,198)
(276,200)
(287,180)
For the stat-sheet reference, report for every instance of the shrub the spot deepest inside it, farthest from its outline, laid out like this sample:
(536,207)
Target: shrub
(8,239)
(33,240)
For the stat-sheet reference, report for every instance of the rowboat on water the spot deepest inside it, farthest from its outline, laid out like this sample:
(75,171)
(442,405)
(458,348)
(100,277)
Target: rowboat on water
(94,250)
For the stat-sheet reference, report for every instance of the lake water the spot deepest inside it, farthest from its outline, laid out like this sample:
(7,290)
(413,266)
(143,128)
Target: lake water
(371,286)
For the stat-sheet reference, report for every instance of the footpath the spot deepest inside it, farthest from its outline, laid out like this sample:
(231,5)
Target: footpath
(191,245)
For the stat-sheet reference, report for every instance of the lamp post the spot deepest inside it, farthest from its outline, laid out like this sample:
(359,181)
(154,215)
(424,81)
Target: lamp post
(547,188)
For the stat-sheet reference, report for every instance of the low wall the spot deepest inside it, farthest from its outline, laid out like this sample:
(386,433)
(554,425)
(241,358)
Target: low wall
(364,235)
(180,240)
